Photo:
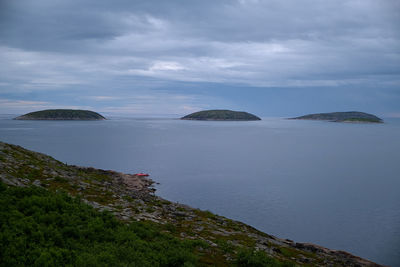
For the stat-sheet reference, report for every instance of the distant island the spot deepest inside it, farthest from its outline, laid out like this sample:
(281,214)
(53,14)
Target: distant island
(350,116)
(61,114)
(221,115)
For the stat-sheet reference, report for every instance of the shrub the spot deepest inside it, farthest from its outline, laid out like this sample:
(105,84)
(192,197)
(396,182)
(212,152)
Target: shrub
(41,228)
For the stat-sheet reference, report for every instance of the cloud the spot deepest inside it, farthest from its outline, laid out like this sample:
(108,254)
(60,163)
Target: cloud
(22,103)
(159,103)
(128,47)
(165,65)
(103,98)
(22,106)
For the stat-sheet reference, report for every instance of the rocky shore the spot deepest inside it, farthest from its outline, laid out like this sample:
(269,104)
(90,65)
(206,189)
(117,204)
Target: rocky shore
(131,197)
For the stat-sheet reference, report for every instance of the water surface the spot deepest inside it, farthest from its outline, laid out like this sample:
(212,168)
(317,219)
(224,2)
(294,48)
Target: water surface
(333,184)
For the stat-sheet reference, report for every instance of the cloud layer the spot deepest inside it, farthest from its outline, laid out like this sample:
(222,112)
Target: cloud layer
(51,49)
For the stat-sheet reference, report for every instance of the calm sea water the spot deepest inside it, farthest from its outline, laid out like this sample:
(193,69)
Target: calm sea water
(333,184)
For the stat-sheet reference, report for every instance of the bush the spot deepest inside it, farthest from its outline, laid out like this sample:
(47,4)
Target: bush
(41,228)
(252,258)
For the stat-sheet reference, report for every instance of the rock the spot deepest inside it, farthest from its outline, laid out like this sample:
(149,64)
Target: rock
(179,213)
(37,183)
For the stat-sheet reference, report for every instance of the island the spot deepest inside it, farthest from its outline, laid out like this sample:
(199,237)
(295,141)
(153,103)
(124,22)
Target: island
(221,115)
(350,116)
(55,214)
(61,114)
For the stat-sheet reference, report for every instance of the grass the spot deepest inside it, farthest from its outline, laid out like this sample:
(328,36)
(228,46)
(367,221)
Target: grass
(252,258)
(40,228)
(44,228)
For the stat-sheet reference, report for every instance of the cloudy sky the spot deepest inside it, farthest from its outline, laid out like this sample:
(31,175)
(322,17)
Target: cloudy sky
(152,58)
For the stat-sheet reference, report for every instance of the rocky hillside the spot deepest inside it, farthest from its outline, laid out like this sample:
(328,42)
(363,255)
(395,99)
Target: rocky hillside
(131,198)
(61,114)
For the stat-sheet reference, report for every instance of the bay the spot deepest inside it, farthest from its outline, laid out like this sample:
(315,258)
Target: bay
(332,184)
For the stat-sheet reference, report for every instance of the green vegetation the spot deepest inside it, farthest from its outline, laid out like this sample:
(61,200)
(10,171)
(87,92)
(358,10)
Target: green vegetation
(253,258)
(61,114)
(40,228)
(351,116)
(43,228)
(221,115)
(362,120)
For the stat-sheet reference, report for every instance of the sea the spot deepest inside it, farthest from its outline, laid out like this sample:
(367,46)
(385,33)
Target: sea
(333,184)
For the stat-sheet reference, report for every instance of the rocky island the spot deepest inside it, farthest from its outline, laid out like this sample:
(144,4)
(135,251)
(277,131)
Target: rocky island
(221,115)
(350,116)
(62,114)
(54,214)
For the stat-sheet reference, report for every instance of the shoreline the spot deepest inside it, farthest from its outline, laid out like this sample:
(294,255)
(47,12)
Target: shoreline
(130,197)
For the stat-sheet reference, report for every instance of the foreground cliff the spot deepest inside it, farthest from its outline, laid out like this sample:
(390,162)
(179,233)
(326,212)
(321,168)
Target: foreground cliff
(168,233)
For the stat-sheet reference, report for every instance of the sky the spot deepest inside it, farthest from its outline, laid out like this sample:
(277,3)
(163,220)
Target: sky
(273,58)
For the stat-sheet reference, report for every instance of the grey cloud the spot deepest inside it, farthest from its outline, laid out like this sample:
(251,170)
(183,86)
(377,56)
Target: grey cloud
(44,23)
(126,45)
